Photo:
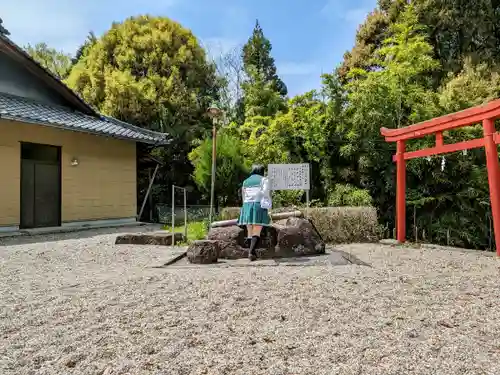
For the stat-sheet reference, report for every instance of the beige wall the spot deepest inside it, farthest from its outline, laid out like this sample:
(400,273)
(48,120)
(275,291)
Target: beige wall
(102,186)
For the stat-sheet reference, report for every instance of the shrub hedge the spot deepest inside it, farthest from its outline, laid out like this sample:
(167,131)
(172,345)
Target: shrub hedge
(335,224)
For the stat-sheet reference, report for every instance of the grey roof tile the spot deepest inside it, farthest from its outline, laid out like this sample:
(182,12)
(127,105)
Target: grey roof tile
(22,109)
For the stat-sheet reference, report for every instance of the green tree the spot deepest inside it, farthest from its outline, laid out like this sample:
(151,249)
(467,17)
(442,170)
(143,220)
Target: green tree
(474,85)
(448,193)
(56,62)
(151,72)
(348,195)
(260,96)
(295,136)
(456,30)
(231,167)
(396,94)
(257,60)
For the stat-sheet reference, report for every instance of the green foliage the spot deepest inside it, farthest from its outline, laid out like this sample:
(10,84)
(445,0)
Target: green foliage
(457,30)
(474,85)
(257,60)
(231,167)
(230,213)
(196,230)
(398,88)
(149,71)
(287,198)
(348,195)
(261,98)
(263,91)
(56,62)
(152,72)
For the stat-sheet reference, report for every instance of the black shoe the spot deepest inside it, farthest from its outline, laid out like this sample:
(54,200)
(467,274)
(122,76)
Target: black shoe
(252,256)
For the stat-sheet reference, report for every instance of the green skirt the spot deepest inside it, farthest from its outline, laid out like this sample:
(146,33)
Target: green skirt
(253,214)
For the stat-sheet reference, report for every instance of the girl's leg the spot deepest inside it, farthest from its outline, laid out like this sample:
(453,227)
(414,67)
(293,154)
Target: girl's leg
(256,230)
(248,239)
(252,254)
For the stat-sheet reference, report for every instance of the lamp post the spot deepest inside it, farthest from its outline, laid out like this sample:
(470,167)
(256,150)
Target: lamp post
(214,112)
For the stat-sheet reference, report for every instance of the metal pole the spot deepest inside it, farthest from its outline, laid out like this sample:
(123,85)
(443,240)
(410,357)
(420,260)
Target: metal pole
(147,192)
(212,187)
(307,204)
(150,199)
(185,216)
(173,215)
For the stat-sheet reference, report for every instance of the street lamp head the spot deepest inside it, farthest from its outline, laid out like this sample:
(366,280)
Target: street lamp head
(214,111)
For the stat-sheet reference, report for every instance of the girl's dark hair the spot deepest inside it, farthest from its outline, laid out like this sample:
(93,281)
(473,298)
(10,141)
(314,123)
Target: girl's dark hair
(257,169)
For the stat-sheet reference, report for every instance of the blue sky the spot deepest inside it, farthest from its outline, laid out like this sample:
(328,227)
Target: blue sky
(308,36)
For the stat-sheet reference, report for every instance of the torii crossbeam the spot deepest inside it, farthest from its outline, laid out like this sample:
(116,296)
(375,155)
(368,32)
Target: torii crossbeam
(486,114)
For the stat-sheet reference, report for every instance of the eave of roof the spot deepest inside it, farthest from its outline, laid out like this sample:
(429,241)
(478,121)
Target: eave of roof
(25,110)
(18,54)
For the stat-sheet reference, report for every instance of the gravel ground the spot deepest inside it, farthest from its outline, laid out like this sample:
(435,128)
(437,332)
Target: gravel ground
(86,306)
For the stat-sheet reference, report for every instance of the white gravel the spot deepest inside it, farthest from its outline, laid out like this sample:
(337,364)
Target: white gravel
(86,306)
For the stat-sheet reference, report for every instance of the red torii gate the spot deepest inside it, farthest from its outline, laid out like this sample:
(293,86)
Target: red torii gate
(486,114)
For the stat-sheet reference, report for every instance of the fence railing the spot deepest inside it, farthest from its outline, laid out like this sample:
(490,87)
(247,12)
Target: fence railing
(194,213)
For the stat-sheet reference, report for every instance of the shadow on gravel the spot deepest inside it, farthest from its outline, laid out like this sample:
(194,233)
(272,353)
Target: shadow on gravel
(332,258)
(64,235)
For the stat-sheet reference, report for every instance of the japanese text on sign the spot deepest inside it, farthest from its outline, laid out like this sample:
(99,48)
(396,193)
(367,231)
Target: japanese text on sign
(289,176)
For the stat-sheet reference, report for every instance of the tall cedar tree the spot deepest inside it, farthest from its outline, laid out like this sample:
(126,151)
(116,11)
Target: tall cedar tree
(257,56)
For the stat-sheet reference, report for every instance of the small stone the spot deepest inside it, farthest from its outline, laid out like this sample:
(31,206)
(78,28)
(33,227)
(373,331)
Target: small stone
(446,323)
(413,334)
(203,252)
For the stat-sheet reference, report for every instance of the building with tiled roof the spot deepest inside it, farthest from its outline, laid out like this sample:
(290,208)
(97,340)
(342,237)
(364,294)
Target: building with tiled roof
(62,163)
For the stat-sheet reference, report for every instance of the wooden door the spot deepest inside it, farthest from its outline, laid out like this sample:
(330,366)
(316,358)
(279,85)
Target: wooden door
(40,186)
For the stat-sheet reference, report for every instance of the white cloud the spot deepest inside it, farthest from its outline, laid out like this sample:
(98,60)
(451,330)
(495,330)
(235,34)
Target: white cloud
(64,24)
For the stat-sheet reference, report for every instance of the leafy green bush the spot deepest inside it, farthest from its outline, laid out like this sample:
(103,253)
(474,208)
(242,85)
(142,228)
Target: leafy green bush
(196,230)
(231,167)
(348,195)
(287,198)
(346,224)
